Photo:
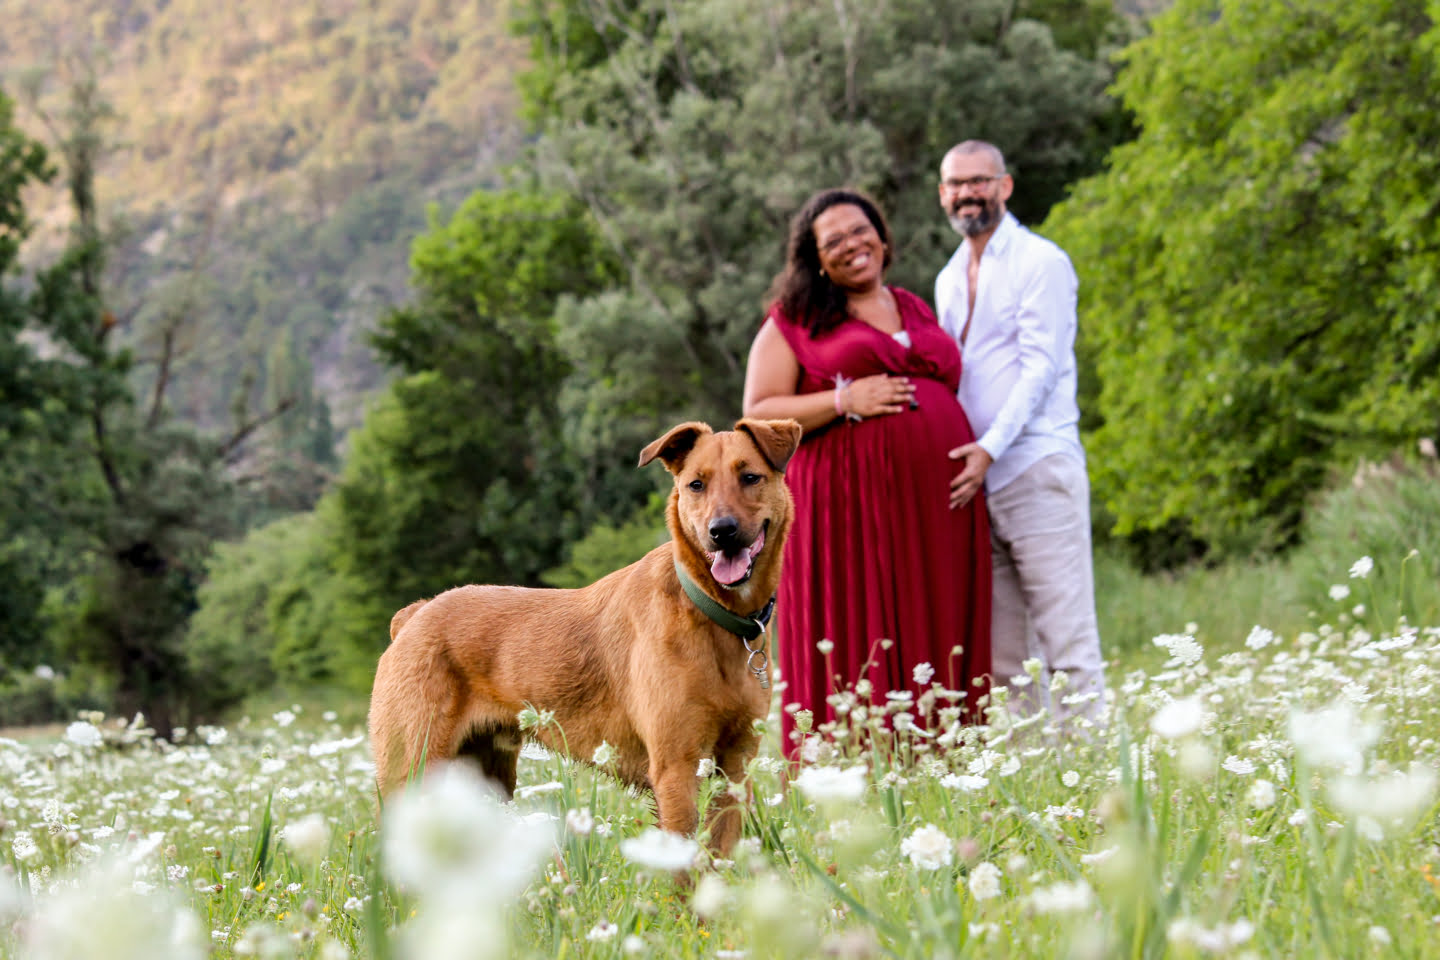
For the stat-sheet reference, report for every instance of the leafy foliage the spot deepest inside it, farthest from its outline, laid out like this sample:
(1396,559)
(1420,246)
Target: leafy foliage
(607,547)
(459,473)
(1259,265)
(272,609)
(25,416)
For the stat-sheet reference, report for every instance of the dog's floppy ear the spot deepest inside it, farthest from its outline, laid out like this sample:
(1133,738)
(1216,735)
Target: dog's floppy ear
(675,446)
(777,439)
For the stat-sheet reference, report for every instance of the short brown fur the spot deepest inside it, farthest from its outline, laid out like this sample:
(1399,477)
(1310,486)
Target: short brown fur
(628,660)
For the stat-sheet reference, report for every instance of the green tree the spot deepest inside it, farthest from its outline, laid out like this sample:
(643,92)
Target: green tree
(460,473)
(1259,267)
(272,607)
(28,417)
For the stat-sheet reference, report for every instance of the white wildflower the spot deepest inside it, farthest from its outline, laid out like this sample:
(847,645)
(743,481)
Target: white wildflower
(832,783)
(1367,827)
(1339,592)
(706,767)
(660,850)
(24,846)
(539,789)
(450,837)
(307,837)
(928,848)
(826,647)
(1070,778)
(122,920)
(1185,650)
(604,755)
(284,718)
(1391,799)
(1062,898)
(1261,794)
(531,719)
(602,931)
(1259,638)
(985,881)
(84,734)
(1219,939)
(711,897)
(923,673)
(1379,936)
(459,932)
(580,822)
(965,782)
(1333,737)
(1361,568)
(1239,766)
(985,762)
(1099,856)
(1178,718)
(1356,693)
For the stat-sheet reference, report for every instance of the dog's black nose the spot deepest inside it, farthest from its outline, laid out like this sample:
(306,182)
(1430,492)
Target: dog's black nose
(723,531)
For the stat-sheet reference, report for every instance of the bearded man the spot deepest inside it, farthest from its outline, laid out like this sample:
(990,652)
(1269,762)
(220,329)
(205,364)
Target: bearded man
(1007,296)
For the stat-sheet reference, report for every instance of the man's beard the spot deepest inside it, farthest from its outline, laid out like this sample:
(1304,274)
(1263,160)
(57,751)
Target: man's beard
(976,223)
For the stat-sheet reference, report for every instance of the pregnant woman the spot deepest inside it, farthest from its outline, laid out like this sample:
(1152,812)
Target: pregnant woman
(880,574)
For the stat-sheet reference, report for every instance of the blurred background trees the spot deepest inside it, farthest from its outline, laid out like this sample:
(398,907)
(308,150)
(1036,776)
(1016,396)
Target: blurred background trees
(1259,266)
(241,427)
(111,497)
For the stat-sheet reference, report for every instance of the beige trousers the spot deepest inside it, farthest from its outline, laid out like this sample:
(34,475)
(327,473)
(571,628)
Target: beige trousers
(1044,587)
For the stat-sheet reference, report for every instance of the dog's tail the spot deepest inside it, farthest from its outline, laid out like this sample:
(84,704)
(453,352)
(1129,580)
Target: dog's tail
(403,616)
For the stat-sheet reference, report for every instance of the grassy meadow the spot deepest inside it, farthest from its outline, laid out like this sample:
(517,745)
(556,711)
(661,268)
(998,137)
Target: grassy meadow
(1264,785)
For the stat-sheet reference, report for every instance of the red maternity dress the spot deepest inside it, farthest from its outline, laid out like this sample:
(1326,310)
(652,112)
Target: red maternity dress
(875,551)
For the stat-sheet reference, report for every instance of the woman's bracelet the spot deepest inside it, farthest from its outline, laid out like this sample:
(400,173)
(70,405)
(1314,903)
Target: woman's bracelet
(842,400)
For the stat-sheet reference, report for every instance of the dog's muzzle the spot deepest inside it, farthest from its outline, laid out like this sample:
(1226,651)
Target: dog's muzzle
(732,564)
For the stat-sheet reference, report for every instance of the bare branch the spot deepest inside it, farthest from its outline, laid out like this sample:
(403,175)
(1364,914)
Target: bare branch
(102,455)
(229,448)
(162,378)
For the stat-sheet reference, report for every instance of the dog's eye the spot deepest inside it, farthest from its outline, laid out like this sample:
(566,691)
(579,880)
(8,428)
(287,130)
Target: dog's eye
(750,479)
(697,485)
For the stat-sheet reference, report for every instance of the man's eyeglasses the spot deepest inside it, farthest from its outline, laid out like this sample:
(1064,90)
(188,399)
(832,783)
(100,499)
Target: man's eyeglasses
(973,182)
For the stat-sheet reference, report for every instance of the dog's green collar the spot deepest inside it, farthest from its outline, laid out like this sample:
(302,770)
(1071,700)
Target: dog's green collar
(748,629)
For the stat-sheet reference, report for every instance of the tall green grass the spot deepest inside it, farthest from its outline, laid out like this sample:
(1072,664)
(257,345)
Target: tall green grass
(1388,511)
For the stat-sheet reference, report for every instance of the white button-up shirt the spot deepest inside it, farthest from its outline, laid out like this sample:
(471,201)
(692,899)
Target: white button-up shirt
(1018,379)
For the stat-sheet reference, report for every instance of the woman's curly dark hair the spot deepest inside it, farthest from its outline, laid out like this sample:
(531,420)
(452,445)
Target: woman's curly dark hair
(805,295)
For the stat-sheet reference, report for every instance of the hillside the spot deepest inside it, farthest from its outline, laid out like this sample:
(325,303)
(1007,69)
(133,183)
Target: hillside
(269,163)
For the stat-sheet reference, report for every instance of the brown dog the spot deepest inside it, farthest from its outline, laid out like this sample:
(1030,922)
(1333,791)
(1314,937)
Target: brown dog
(630,660)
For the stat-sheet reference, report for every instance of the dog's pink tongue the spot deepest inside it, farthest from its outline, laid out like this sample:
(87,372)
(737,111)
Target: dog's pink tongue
(727,569)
